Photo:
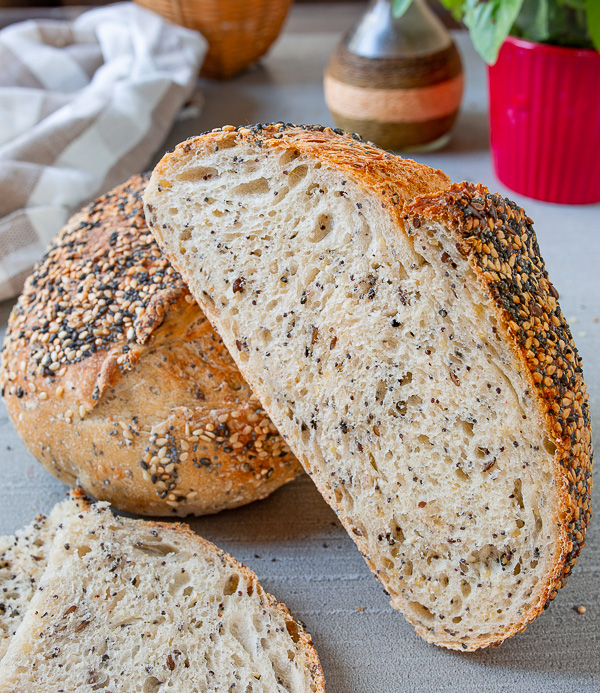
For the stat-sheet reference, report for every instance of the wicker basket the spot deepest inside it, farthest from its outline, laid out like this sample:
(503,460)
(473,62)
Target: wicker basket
(238,32)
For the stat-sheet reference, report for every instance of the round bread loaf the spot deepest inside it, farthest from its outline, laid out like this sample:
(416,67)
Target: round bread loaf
(116,381)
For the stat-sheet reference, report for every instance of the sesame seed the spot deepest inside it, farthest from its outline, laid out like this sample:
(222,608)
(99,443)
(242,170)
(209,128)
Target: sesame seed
(183,457)
(43,395)
(161,441)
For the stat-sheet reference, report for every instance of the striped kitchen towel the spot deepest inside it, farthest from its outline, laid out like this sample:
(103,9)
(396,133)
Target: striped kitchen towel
(83,105)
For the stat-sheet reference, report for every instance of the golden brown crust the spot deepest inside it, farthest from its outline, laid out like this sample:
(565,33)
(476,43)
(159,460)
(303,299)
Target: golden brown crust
(394,178)
(115,380)
(498,239)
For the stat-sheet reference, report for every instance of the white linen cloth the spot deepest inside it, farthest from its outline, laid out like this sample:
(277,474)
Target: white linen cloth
(83,105)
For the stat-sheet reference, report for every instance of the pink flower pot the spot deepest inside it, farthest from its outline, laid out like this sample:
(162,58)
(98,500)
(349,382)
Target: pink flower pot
(545,121)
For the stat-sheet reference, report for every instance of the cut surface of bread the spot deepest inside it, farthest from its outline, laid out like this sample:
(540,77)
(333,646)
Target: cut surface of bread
(23,559)
(140,607)
(116,381)
(404,337)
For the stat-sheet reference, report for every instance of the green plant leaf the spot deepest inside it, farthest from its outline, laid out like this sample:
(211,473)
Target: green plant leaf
(574,23)
(556,22)
(399,7)
(592,14)
(456,7)
(540,29)
(533,22)
(489,24)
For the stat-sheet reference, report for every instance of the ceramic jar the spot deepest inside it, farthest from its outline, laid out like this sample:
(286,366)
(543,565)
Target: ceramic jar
(396,81)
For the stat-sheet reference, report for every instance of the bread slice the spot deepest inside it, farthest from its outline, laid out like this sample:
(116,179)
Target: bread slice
(23,559)
(413,355)
(138,607)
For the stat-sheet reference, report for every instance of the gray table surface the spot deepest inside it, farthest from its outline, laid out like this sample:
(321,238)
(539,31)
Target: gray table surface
(293,540)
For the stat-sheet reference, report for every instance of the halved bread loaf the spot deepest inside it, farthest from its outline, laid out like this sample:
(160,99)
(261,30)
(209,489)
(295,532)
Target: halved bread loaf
(138,607)
(413,355)
(23,559)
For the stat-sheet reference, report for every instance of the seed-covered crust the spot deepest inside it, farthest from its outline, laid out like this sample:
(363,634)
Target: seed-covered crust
(498,239)
(116,381)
